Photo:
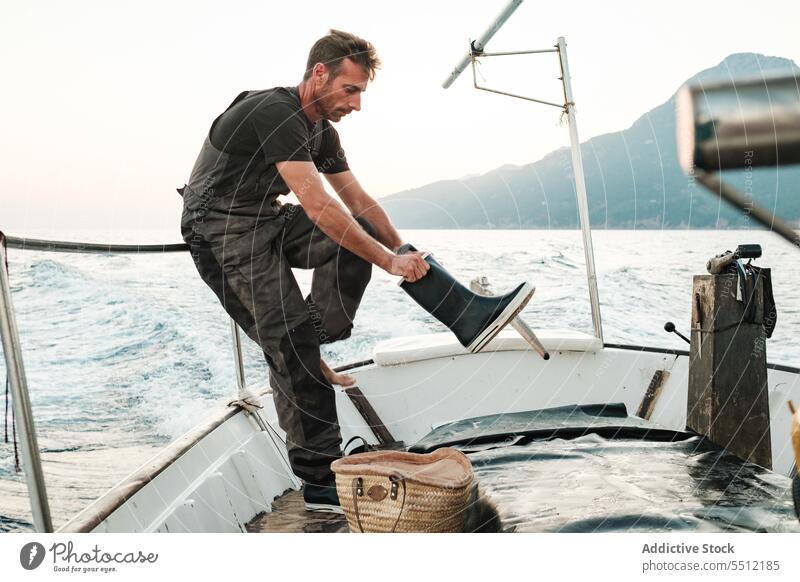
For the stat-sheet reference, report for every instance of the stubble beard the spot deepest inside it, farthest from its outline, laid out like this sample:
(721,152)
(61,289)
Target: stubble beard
(325,107)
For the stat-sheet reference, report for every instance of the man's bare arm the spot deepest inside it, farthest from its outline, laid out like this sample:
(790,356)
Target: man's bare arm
(362,204)
(324,211)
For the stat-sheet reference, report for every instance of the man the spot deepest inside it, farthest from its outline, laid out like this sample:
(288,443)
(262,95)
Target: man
(245,242)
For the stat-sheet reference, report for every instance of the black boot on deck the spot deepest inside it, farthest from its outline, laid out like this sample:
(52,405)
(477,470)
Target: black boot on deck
(474,319)
(322,497)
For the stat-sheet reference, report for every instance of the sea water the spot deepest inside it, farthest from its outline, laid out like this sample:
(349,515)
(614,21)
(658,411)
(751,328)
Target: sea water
(124,353)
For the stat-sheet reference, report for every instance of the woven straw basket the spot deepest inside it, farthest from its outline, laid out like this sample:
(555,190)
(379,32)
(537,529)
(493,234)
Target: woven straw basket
(395,491)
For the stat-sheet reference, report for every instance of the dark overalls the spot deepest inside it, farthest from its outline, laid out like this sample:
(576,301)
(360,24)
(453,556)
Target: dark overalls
(244,248)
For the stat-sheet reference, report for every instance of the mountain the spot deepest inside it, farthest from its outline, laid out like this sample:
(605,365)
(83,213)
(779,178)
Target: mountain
(632,178)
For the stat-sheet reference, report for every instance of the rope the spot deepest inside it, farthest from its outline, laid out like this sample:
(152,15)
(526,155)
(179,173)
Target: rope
(250,403)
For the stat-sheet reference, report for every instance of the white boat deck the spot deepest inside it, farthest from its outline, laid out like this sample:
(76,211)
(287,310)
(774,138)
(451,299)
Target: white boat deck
(232,475)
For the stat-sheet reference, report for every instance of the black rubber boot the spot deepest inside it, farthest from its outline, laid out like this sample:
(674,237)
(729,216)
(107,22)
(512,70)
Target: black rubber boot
(473,318)
(322,497)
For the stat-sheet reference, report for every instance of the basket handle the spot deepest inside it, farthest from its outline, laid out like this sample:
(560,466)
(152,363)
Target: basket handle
(355,438)
(395,479)
(357,486)
(358,490)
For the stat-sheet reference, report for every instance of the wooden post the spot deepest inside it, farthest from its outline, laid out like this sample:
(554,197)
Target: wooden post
(728,394)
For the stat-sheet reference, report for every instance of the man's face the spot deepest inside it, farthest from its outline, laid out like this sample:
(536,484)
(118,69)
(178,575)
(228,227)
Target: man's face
(336,97)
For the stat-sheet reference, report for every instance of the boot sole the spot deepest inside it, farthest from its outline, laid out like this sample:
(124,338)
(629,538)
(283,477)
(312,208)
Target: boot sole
(324,508)
(508,314)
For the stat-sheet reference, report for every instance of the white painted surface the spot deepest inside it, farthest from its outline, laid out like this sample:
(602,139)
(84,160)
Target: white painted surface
(236,471)
(402,350)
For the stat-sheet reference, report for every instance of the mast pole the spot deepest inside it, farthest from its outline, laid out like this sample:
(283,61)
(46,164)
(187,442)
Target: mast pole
(580,190)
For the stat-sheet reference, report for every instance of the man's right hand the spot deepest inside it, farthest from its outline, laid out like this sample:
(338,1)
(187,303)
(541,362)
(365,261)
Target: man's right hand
(410,266)
(332,219)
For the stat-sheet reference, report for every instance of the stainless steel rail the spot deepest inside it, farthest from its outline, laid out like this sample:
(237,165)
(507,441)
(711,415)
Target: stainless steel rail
(580,190)
(57,246)
(23,414)
(476,52)
(479,44)
(237,356)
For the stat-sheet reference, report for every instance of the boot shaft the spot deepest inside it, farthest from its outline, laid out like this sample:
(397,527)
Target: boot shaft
(473,318)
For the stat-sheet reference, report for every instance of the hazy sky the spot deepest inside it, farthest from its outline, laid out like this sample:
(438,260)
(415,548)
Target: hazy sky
(105,104)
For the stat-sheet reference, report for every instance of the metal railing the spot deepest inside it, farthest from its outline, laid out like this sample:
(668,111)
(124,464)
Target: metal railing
(476,51)
(23,415)
(12,351)
(58,246)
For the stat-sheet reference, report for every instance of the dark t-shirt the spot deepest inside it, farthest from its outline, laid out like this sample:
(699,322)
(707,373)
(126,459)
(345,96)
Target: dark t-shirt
(271,123)
(234,182)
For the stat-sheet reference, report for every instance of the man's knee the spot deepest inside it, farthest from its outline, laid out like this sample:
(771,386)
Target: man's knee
(293,354)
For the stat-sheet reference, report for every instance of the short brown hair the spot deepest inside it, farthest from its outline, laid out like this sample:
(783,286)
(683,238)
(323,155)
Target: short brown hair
(336,46)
